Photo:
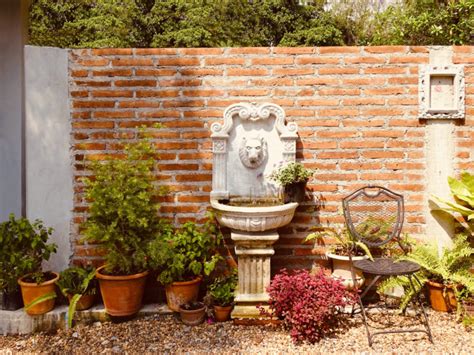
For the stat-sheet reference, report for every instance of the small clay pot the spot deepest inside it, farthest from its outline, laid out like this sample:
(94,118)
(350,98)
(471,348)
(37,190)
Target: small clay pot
(122,295)
(193,316)
(30,291)
(442,297)
(85,302)
(222,313)
(179,293)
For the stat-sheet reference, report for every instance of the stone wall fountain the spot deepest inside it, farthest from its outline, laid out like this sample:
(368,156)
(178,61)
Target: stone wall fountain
(252,140)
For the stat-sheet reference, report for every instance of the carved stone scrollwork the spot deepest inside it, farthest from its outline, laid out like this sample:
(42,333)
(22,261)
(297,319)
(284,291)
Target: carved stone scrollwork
(254,112)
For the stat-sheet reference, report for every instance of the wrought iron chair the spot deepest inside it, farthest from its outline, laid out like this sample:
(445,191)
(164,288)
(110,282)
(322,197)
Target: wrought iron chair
(374,216)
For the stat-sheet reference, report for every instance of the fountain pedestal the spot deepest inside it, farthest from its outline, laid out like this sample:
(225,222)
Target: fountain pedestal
(254,251)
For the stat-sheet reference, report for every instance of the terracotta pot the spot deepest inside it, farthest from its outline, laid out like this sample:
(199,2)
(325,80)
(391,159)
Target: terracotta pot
(179,293)
(294,192)
(30,291)
(194,316)
(341,266)
(122,295)
(222,313)
(85,302)
(442,297)
(10,301)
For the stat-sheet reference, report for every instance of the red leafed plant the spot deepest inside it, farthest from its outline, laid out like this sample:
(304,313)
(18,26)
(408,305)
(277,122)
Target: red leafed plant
(307,304)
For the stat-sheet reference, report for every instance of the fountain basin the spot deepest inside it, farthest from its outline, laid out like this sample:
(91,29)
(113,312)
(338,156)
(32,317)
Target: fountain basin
(254,219)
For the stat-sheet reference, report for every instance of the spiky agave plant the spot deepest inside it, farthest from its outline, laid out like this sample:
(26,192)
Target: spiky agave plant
(451,267)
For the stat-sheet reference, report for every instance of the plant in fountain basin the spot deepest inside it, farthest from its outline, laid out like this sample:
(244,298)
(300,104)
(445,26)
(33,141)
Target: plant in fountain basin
(293,177)
(123,219)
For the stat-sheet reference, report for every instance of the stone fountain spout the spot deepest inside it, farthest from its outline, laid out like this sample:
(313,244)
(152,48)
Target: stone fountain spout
(247,146)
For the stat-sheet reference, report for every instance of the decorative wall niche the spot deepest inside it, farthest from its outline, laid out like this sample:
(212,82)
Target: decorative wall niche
(441,92)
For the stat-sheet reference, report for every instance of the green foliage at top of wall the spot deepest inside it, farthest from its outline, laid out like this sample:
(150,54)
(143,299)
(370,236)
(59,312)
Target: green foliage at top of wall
(232,23)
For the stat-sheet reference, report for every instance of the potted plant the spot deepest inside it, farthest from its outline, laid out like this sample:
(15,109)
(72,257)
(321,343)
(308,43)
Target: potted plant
(23,247)
(78,285)
(123,219)
(190,254)
(221,291)
(447,271)
(339,253)
(192,313)
(293,177)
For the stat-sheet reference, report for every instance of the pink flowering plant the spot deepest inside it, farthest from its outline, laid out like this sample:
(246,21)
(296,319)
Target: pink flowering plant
(307,304)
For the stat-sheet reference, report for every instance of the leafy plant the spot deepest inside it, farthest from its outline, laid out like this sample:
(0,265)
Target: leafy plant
(347,243)
(23,246)
(450,266)
(290,173)
(222,289)
(123,215)
(307,304)
(75,282)
(463,192)
(190,252)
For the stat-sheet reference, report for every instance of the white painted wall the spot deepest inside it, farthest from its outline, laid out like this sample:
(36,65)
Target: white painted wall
(49,189)
(12,31)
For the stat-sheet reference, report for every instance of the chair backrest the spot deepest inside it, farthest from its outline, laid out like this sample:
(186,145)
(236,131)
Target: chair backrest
(374,215)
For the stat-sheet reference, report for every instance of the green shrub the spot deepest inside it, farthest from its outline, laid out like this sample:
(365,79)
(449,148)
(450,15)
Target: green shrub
(190,252)
(123,215)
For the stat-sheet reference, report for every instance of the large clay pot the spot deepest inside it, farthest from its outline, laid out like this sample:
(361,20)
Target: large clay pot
(222,313)
(193,316)
(31,291)
(179,293)
(85,302)
(122,295)
(341,266)
(442,297)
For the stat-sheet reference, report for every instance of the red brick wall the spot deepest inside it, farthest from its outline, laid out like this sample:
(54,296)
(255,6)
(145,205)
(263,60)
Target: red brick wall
(356,108)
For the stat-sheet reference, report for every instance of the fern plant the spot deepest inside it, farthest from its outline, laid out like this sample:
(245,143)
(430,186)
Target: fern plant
(450,267)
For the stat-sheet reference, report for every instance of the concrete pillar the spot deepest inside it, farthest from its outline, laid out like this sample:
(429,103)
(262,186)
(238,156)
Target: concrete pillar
(49,188)
(440,152)
(13,15)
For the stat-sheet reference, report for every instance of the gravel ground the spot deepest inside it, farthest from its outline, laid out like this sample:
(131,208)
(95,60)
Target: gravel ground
(166,334)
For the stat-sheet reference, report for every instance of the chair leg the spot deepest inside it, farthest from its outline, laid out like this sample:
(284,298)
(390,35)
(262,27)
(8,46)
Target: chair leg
(420,303)
(361,305)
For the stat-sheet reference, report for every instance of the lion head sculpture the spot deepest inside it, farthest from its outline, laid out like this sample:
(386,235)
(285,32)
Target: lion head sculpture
(253,152)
